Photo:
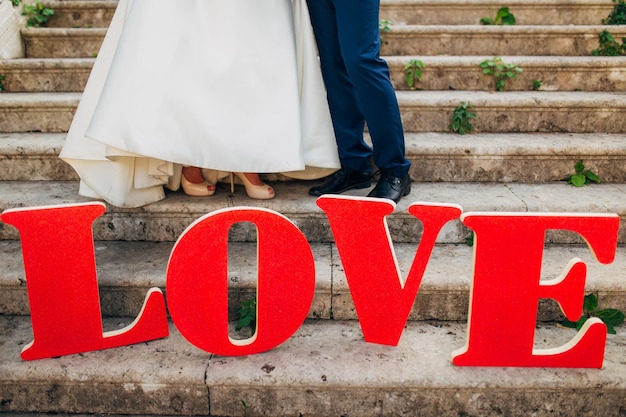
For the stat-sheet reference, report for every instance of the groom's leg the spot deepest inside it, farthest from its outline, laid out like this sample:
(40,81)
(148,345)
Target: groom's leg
(348,120)
(359,42)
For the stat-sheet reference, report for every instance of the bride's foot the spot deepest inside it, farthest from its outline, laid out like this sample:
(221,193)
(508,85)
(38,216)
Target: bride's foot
(194,184)
(255,188)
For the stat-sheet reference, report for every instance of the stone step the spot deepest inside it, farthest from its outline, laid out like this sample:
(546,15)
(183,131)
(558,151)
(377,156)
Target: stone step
(37,112)
(45,74)
(324,369)
(556,73)
(98,13)
(495,40)
(422,111)
(440,73)
(510,157)
(524,111)
(62,42)
(467,12)
(444,293)
(435,157)
(166,220)
(568,40)
(81,13)
(33,157)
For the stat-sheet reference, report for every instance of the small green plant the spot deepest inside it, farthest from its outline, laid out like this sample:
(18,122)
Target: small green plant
(413,72)
(461,119)
(1,83)
(582,176)
(247,315)
(385,26)
(618,15)
(37,14)
(500,71)
(16,2)
(245,408)
(469,241)
(537,85)
(609,46)
(610,316)
(503,17)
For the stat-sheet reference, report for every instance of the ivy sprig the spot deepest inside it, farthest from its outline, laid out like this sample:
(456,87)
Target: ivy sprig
(611,317)
(37,14)
(503,17)
(582,176)
(247,315)
(413,72)
(460,121)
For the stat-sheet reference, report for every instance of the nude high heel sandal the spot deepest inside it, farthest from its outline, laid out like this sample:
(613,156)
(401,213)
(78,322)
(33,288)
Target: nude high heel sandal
(258,192)
(196,189)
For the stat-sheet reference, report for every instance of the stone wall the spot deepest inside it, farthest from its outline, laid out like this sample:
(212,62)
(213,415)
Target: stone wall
(11,21)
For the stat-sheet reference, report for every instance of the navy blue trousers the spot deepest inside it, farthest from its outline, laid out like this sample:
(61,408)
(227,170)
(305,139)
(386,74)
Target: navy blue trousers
(358,84)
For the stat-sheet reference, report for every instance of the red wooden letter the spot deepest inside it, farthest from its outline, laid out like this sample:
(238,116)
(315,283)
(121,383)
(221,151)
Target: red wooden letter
(60,269)
(507,288)
(197,281)
(382,301)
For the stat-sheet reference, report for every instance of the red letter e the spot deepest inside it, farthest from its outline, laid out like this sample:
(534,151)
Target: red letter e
(507,288)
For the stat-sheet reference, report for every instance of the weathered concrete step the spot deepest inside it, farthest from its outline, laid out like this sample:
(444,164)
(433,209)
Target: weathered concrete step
(77,13)
(422,111)
(440,73)
(449,157)
(81,13)
(523,111)
(62,42)
(467,12)
(402,40)
(37,112)
(166,220)
(444,293)
(33,157)
(46,74)
(324,369)
(495,40)
(562,73)
(510,157)
(71,14)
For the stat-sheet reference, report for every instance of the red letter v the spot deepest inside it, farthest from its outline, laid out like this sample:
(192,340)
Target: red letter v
(58,250)
(382,302)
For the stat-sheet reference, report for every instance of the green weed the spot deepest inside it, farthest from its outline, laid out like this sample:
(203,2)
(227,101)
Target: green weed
(503,17)
(37,14)
(461,119)
(610,316)
(582,176)
(413,72)
(500,71)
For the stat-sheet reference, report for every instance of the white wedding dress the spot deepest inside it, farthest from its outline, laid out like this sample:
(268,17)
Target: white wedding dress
(226,85)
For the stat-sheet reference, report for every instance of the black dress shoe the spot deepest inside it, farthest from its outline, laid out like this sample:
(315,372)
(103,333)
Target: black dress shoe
(391,187)
(343,180)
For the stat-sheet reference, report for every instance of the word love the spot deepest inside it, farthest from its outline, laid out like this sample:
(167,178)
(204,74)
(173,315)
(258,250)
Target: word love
(58,250)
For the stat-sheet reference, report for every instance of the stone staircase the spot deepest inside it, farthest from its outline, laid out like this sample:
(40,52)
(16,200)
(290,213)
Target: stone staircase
(524,144)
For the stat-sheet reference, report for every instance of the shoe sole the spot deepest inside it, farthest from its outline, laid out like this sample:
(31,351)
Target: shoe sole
(352,187)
